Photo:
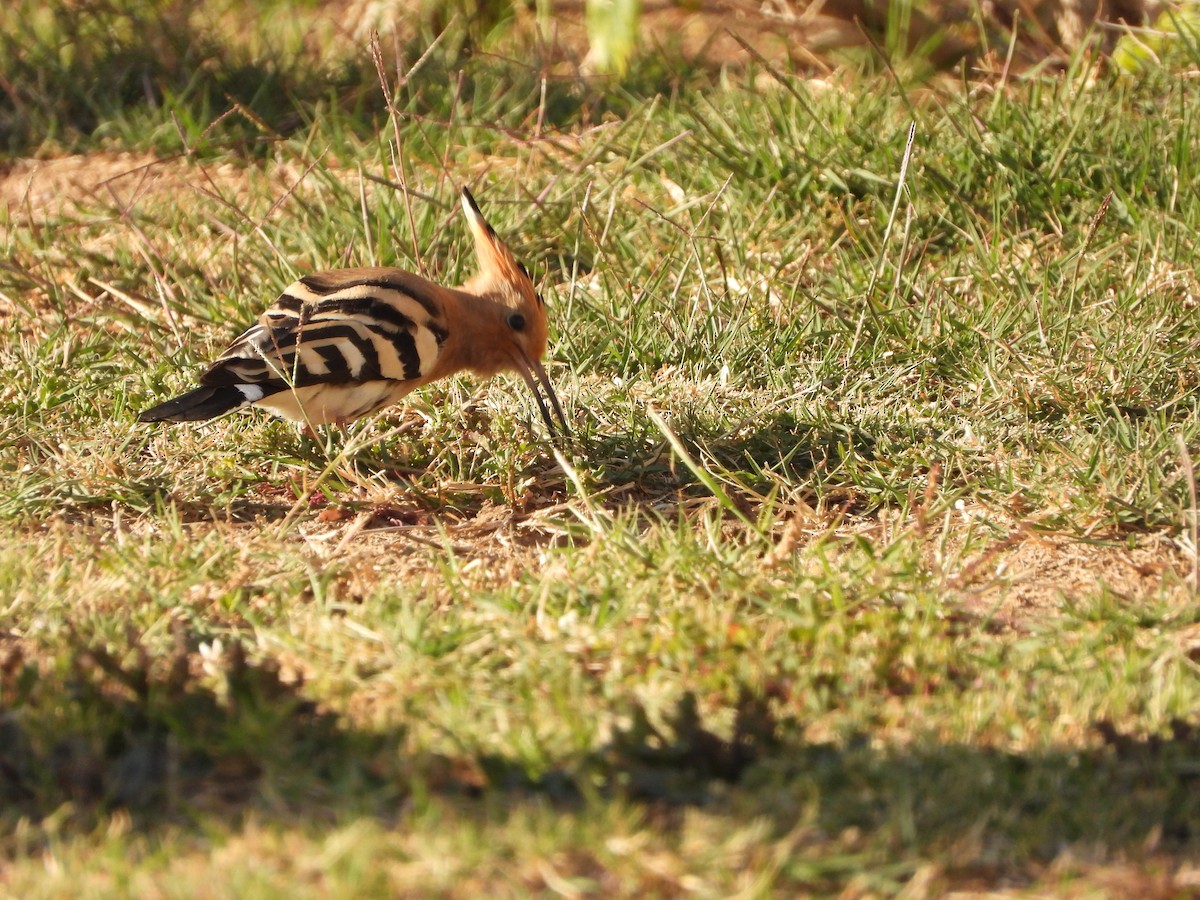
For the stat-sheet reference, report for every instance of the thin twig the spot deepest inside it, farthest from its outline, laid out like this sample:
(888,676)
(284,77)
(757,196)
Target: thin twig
(900,189)
(397,147)
(1087,243)
(1189,472)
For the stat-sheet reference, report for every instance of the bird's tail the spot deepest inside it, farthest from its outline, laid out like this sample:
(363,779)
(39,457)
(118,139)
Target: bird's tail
(198,405)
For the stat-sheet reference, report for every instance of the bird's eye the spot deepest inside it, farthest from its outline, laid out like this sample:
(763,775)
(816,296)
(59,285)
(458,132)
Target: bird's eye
(516,322)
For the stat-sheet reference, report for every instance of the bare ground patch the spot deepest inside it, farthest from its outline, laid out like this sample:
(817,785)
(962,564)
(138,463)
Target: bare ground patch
(34,190)
(1029,575)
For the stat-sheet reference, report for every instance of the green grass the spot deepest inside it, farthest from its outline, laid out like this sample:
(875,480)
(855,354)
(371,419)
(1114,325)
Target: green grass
(870,566)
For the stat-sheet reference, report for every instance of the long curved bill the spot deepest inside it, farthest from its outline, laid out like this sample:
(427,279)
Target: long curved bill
(529,369)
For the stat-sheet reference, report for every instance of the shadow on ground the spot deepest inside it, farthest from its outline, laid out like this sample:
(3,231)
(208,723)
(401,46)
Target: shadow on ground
(635,464)
(156,738)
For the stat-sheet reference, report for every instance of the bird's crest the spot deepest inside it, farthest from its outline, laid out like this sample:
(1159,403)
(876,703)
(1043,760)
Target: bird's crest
(498,268)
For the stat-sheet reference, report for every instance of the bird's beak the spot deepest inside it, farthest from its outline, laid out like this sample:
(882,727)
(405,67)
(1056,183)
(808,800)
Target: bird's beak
(533,373)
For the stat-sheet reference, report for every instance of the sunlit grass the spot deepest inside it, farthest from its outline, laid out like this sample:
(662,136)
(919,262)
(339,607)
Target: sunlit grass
(871,563)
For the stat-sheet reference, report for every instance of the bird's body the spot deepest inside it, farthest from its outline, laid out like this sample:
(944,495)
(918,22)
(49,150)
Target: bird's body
(339,345)
(334,347)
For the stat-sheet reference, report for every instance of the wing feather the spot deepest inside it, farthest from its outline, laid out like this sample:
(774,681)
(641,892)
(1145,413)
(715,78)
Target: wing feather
(341,328)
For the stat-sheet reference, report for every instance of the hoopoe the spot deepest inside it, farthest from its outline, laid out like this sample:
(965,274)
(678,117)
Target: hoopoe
(339,345)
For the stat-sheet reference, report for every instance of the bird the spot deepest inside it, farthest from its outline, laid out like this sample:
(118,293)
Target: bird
(341,344)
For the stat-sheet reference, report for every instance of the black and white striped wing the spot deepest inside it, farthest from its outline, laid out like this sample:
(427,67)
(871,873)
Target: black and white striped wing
(336,346)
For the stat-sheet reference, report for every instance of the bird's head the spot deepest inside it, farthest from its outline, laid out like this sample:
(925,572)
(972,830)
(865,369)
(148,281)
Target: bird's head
(520,330)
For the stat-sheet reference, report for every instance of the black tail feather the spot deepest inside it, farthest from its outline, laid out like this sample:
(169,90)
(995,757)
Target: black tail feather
(196,406)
